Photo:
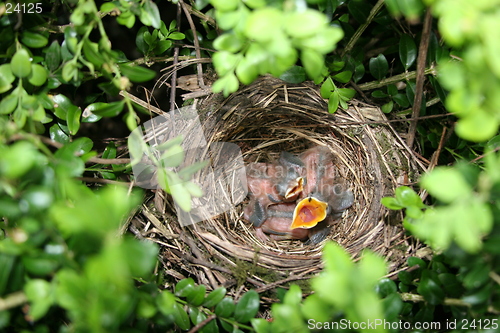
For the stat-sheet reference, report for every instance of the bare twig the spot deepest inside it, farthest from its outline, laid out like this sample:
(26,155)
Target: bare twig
(102,181)
(447,301)
(362,27)
(435,156)
(419,87)
(196,44)
(13,300)
(277,283)
(200,325)
(173,86)
(395,79)
(201,15)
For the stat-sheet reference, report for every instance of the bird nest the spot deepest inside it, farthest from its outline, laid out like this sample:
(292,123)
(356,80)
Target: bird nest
(263,119)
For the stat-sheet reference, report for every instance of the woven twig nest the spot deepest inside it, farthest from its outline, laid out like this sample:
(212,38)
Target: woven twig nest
(263,119)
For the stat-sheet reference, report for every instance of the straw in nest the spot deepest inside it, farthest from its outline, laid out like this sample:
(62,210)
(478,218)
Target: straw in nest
(263,119)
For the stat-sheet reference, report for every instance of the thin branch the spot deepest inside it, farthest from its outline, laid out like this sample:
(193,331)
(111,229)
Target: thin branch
(201,15)
(13,300)
(173,85)
(419,86)
(362,27)
(277,283)
(447,301)
(196,44)
(483,155)
(395,79)
(201,324)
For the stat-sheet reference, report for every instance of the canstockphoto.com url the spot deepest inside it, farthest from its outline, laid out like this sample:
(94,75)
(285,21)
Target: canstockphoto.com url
(345,324)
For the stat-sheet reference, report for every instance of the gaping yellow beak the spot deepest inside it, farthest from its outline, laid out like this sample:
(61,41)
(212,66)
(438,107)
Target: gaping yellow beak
(295,189)
(309,212)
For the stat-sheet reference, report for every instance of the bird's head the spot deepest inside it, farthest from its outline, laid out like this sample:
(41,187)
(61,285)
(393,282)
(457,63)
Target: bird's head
(309,212)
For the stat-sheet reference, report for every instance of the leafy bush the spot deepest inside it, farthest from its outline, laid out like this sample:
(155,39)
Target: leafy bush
(64,264)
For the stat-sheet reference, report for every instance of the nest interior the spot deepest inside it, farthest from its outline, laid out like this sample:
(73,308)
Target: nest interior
(263,119)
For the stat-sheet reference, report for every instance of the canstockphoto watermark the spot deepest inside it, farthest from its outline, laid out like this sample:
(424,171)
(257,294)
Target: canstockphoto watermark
(222,180)
(345,324)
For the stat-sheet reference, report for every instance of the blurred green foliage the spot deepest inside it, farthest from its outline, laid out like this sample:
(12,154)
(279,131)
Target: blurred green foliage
(66,268)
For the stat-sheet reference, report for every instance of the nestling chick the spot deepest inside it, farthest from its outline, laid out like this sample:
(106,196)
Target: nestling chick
(322,195)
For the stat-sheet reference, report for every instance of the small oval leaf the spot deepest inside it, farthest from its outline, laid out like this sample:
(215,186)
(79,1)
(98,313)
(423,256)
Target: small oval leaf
(379,66)
(21,63)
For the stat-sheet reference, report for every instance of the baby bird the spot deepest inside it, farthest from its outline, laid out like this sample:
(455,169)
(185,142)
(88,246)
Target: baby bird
(270,184)
(322,196)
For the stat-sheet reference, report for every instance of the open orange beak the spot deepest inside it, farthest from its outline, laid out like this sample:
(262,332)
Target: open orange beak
(309,212)
(294,190)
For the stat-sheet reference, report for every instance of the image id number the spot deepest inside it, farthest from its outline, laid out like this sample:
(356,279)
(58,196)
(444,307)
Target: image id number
(25,8)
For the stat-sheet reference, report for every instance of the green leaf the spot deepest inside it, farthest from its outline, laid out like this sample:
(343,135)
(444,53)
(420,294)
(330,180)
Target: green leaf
(343,77)
(295,74)
(150,15)
(139,40)
(184,287)
(401,100)
(39,294)
(359,10)
(225,5)
(387,107)
(228,42)
(73,119)
(407,51)
(333,102)
(327,88)
(379,94)
(391,203)
(293,296)
(70,71)
(137,73)
(162,46)
(446,184)
(385,287)
(128,19)
(313,62)
(413,261)
(392,306)
(407,197)
(225,62)
(311,22)
(38,75)
(9,103)
(21,63)
(91,52)
(172,157)
(379,66)
(20,156)
(165,302)
(58,135)
(180,317)
(106,109)
(33,40)
(477,127)
(260,325)
(176,35)
(6,78)
(225,308)
(430,289)
(214,297)
(346,93)
(227,84)
(181,196)
(7,262)
(246,71)
(247,307)
(197,295)
(262,23)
